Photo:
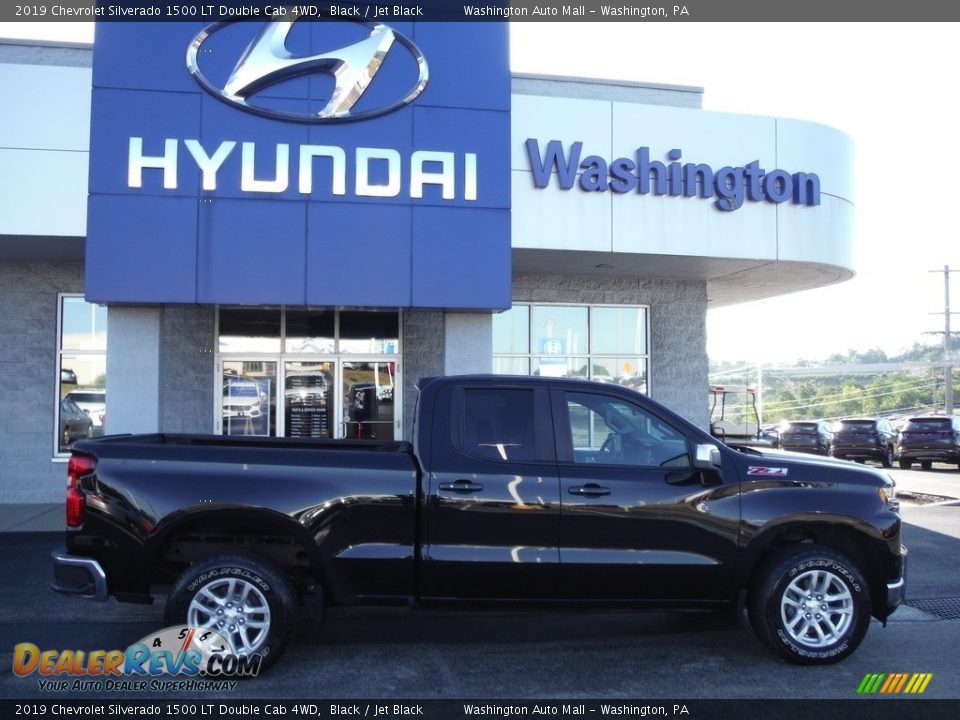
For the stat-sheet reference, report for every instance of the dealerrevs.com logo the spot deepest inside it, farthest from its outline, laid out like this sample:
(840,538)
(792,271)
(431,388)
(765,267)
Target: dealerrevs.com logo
(203,660)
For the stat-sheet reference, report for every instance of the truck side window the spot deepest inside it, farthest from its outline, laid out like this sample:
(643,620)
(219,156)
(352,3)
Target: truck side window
(498,423)
(610,431)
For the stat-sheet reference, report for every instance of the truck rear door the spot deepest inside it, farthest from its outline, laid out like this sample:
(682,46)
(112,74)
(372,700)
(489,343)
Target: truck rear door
(491,514)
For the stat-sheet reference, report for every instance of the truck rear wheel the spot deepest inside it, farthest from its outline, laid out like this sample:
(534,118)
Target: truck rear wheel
(246,599)
(810,605)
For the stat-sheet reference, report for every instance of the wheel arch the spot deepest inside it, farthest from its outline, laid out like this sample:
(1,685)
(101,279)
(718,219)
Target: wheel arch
(200,533)
(855,542)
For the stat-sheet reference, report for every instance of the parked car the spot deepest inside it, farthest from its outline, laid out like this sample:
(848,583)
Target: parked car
(242,398)
(93,401)
(929,439)
(74,423)
(809,436)
(516,489)
(865,439)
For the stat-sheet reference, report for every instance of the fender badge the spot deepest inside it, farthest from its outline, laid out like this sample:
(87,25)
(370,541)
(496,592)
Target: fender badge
(767,471)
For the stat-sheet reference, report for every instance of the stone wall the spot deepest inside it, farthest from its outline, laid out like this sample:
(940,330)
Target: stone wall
(29,378)
(423,356)
(187,373)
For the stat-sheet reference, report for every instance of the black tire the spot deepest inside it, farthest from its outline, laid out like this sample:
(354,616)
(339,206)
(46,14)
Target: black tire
(926,464)
(887,459)
(774,592)
(904,464)
(264,580)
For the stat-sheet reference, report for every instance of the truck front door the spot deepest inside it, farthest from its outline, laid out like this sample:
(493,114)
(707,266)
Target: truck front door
(639,522)
(492,511)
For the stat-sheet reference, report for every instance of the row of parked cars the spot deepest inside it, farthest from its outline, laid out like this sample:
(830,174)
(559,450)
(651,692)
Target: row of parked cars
(922,440)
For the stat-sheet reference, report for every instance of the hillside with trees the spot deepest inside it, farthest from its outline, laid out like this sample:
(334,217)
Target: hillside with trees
(857,383)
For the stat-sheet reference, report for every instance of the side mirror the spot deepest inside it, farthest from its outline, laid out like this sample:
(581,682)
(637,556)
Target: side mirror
(707,457)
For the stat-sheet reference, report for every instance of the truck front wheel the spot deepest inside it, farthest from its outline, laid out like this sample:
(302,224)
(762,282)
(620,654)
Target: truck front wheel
(246,599)
(810,605)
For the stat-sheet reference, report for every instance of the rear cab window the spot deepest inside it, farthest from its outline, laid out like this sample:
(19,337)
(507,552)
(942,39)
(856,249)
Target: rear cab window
(925,425)
(495,423)
(858,425)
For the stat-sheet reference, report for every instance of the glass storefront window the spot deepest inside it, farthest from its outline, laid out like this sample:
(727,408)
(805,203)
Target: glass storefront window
(368,390)
(83,325)
(560,366)
(305,373)
(559,329)
(511,331)
(373,333)
(618,330)
(248,330)
(630,372)
(511,366)
(308,399)
(249,397)
(599,342)
(310,331)
(81,409)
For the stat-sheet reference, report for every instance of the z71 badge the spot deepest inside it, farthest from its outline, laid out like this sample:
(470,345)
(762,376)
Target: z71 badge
(767,471)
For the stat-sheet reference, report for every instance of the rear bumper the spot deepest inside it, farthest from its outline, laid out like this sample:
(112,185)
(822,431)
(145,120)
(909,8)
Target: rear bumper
(897,590)
(950,455)
(814,449)
(80,576)
(851,451)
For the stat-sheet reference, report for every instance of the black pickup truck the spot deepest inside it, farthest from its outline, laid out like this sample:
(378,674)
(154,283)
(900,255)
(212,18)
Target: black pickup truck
(514,489)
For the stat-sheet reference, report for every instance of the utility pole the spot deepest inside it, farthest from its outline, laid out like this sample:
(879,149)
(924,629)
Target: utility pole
(947,342)
(759,396)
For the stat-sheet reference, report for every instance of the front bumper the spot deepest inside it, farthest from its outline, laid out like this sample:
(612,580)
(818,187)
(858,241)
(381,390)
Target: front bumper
(897,590)
(81,576)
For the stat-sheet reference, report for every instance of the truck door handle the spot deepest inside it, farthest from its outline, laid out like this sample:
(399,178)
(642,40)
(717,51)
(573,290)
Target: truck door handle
(590,490)
(461,486)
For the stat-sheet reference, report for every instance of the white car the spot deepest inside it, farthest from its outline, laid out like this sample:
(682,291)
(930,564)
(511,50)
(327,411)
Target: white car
(242,398)
(93,401)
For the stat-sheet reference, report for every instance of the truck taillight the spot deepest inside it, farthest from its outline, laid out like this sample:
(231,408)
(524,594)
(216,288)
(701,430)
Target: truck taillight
(77,467)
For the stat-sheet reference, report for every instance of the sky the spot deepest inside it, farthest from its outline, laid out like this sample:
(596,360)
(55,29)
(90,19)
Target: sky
(885,85)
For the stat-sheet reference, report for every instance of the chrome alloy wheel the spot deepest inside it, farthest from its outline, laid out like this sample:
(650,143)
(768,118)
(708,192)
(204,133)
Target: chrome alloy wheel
(236,609)
(816,609)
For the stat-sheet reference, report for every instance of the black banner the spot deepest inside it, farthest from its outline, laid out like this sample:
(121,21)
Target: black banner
(860,709)
(482,10)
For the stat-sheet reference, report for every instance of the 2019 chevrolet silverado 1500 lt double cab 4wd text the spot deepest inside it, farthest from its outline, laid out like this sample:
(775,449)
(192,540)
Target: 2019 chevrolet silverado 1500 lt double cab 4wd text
(514,489)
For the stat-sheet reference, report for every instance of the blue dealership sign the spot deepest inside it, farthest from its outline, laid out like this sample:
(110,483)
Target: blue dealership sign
(300,162)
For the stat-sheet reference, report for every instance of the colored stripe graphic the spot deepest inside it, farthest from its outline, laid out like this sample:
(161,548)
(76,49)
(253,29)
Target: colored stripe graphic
(894,683)
(903,681)
(870,683)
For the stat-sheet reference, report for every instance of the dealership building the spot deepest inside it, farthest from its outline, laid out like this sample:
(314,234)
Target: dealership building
(276,228)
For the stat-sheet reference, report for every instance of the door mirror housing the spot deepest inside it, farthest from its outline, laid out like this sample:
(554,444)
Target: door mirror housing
(707,457)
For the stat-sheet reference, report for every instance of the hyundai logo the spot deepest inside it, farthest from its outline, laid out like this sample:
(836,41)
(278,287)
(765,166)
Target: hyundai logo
(266,62)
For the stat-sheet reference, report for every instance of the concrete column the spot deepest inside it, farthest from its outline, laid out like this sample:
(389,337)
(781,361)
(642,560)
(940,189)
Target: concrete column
(133,369)
(468,343)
